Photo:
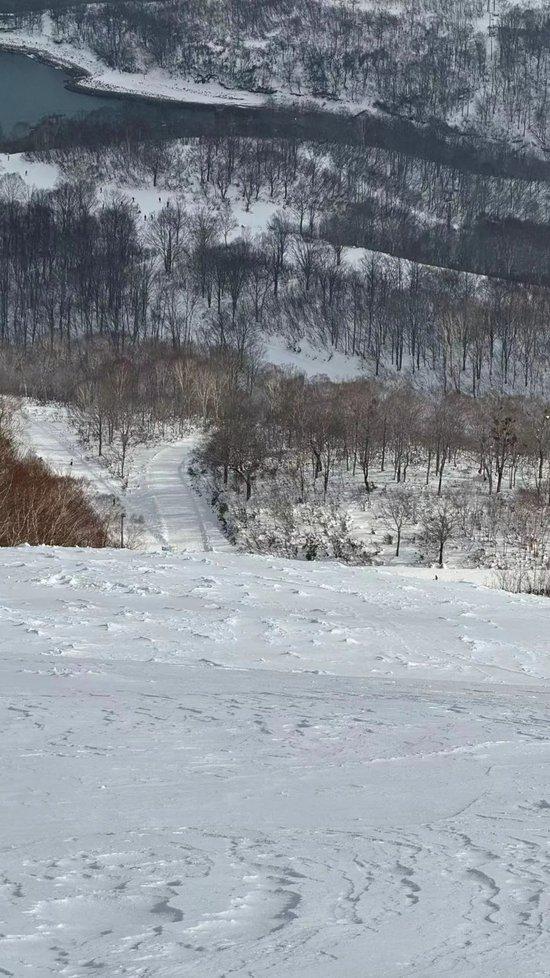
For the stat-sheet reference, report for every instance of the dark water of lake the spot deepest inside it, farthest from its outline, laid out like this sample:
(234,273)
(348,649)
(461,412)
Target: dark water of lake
(30,90)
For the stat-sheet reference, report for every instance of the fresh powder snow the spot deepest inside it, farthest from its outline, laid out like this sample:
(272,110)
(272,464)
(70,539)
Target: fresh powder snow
(219,764)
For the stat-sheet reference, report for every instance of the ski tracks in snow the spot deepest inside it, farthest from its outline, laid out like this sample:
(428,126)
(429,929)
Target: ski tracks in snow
(185,522)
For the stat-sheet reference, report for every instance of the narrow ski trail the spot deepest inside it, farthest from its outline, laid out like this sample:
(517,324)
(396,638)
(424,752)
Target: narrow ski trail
(185,520)
(160,497)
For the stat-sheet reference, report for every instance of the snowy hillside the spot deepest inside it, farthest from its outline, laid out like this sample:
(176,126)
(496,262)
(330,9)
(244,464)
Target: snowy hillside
(228,765)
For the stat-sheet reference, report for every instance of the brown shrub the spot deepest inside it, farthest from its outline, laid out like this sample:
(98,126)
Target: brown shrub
(39,507)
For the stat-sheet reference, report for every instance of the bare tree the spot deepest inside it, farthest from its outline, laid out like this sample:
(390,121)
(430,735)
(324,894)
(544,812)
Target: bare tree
(440,523)
(397,510)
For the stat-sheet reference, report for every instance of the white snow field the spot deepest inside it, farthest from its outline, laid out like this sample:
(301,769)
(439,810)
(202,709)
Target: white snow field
(224,765)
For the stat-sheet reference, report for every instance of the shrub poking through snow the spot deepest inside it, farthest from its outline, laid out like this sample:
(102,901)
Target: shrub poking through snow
(39,507)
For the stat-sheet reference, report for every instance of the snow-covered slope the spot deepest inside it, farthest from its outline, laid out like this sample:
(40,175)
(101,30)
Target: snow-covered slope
(225,765)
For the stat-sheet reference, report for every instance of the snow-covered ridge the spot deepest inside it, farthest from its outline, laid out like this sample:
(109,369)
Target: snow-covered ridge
(234,765)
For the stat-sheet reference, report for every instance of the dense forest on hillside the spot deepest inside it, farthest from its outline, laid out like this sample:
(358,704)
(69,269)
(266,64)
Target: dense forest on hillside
(78,263)
(401,238)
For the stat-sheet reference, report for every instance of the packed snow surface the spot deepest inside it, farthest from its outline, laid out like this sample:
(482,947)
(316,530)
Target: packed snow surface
(225,765)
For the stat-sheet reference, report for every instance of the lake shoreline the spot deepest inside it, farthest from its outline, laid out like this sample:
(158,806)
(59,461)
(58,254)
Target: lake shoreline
(45,57)
(273,117)
(79,75)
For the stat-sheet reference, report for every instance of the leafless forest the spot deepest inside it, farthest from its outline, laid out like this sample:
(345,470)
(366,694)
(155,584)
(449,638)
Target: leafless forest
(425,272)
